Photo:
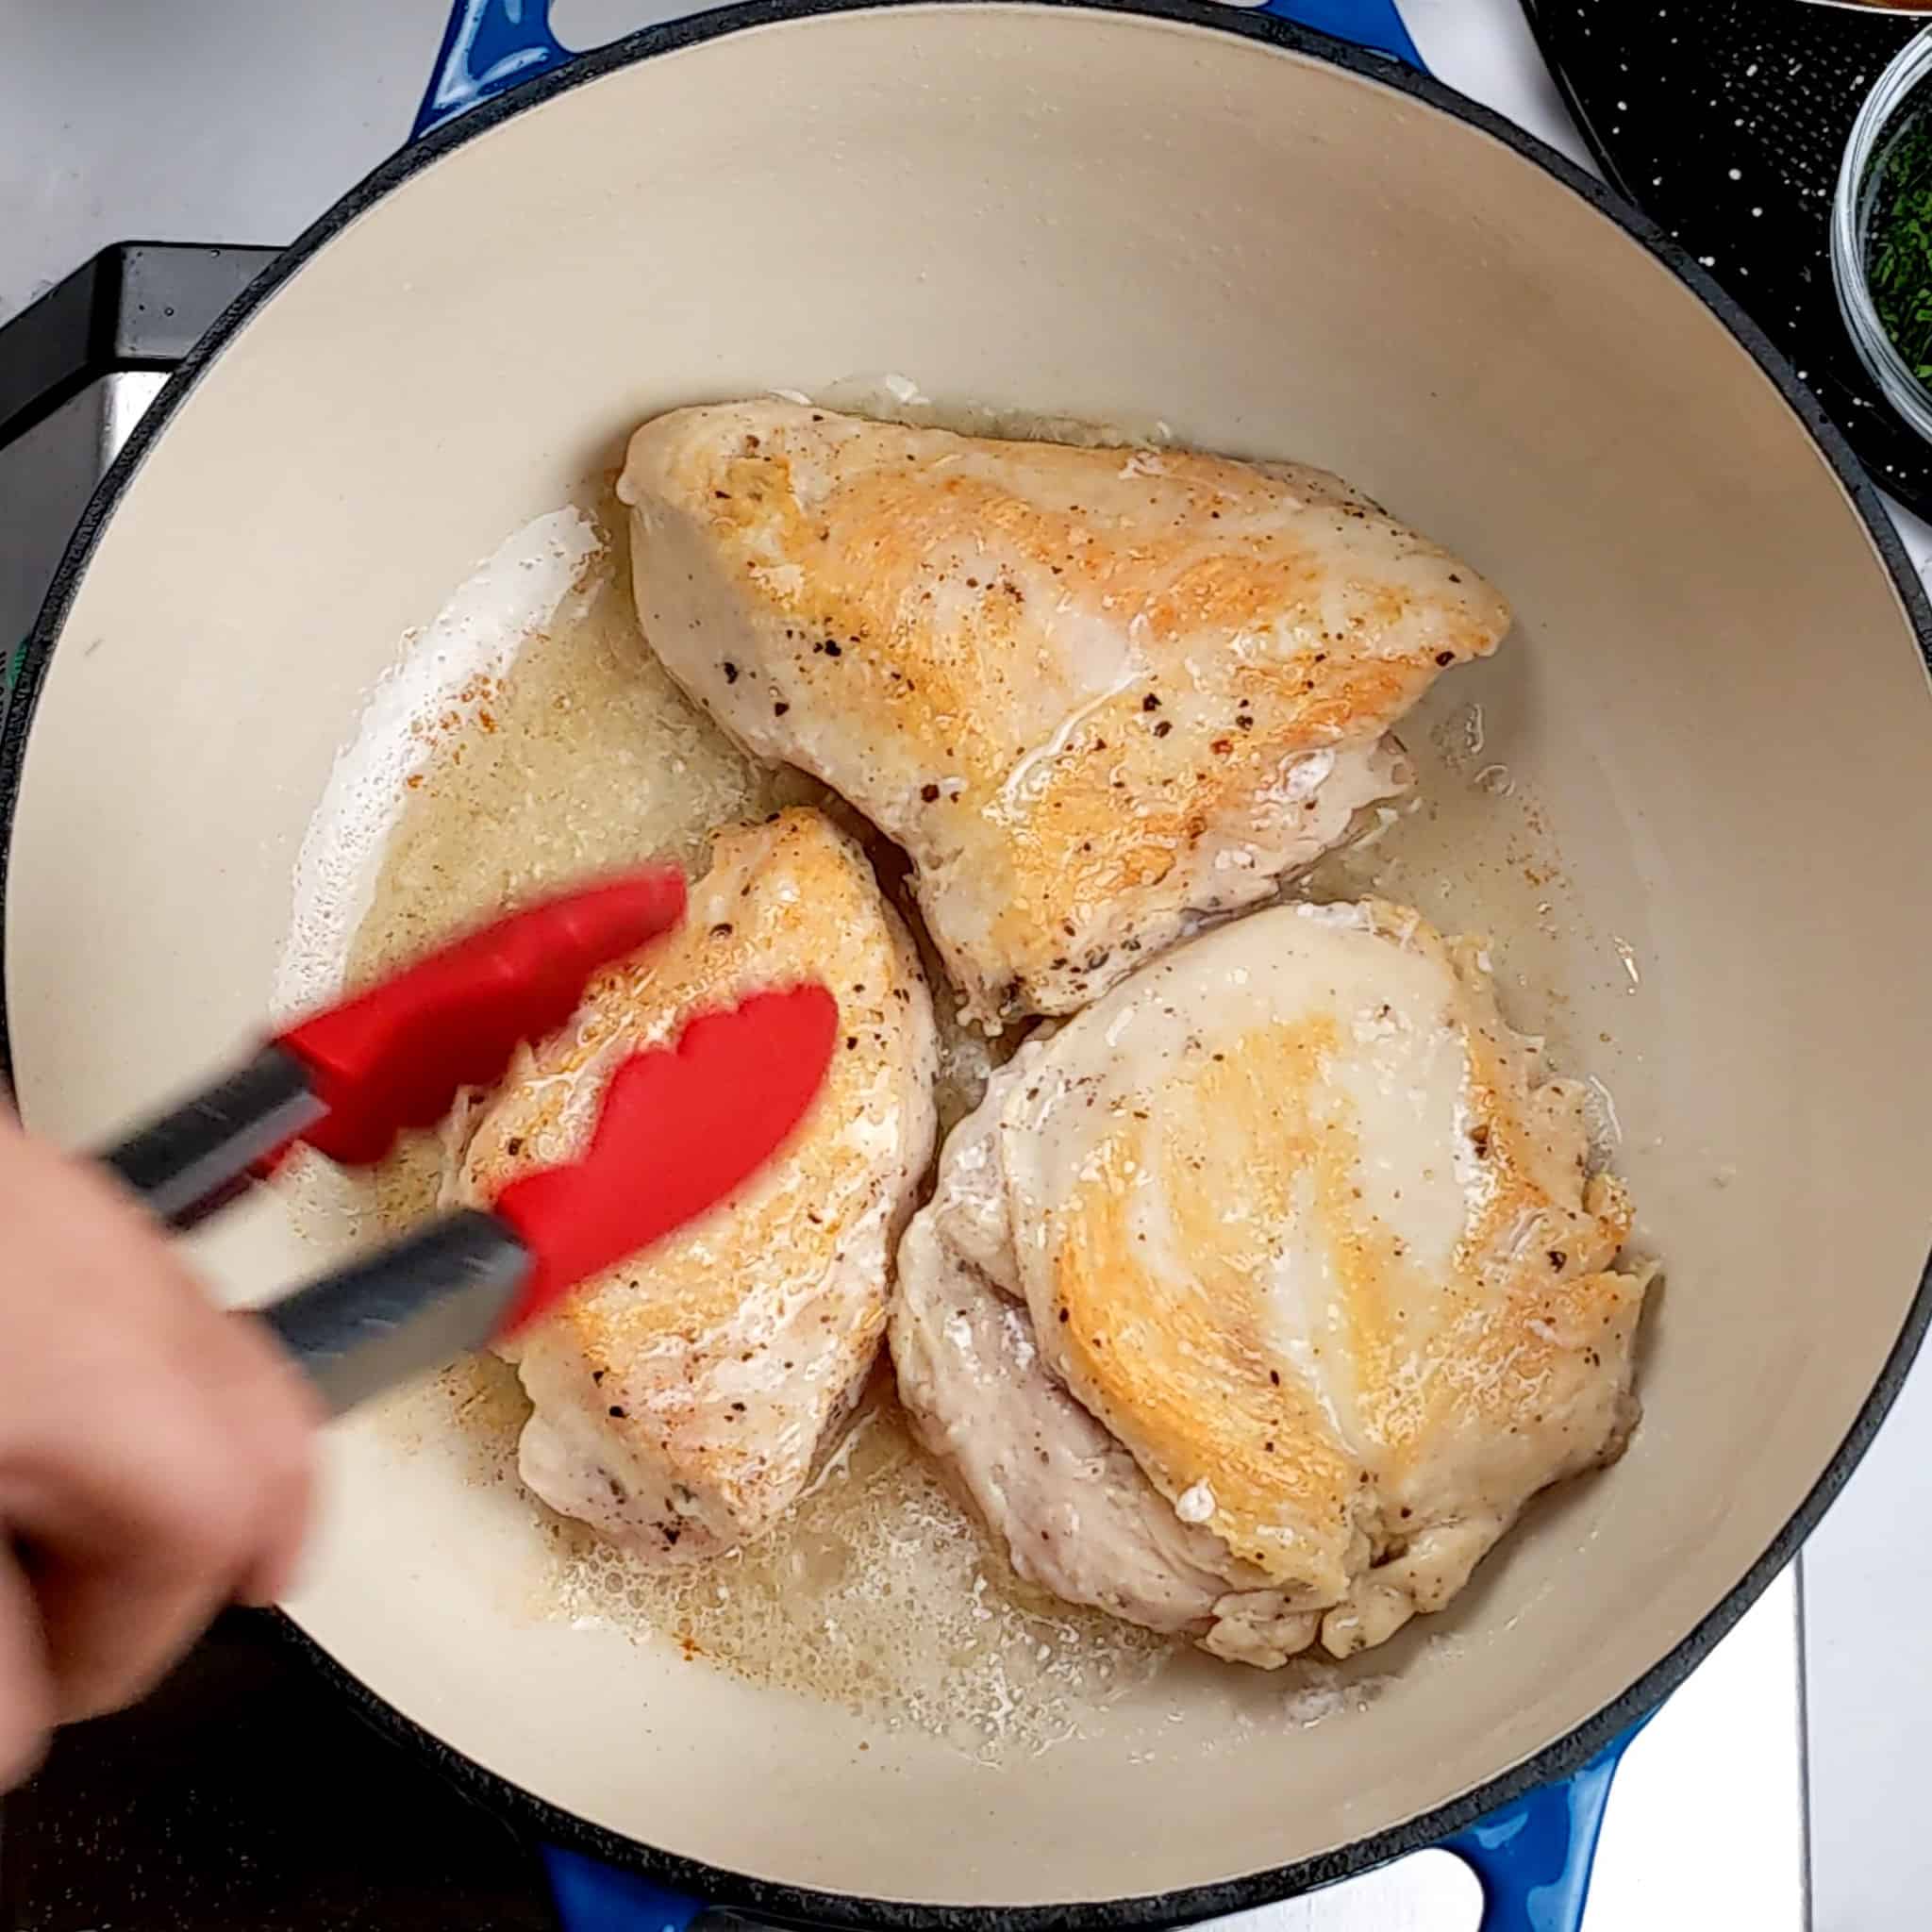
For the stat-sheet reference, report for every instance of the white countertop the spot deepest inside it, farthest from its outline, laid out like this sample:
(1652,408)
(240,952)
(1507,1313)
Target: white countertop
(240,120)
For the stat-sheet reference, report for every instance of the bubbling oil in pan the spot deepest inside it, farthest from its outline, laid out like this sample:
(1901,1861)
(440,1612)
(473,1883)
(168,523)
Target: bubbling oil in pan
(880,1593)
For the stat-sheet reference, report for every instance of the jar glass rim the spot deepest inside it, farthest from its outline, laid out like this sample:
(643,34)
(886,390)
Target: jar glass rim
(1852,202)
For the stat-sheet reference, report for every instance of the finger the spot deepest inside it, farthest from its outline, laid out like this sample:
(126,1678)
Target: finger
(147,1528)
(138,1531)
(276,1415)
(166,1541)
(111,1635)
(27,1709)
(153,1451)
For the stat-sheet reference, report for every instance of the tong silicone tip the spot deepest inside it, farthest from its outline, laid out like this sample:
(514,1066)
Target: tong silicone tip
(395,1055)
(682,1129)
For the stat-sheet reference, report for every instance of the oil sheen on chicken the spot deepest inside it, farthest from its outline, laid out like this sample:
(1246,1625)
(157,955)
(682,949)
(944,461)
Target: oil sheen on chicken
(683,1399)
(1100,696)
(1255,1300)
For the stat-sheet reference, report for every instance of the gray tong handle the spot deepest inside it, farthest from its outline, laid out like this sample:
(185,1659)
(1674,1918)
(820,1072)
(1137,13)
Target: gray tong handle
(190,1161)
(401,1313)
(405,1310)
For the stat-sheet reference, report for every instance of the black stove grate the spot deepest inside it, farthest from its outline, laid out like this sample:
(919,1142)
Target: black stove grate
(247,1796)
(1725,121)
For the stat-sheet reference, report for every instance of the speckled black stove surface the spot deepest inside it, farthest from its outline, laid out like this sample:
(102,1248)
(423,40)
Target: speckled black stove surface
(1724,120)
(247,1796)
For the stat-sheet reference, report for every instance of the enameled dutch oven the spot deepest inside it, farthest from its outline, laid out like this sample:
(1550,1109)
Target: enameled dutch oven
(1716,696)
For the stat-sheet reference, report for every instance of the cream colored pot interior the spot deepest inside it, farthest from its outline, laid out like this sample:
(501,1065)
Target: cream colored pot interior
(1712,697)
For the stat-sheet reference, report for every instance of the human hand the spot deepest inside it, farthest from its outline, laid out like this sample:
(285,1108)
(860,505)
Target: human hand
(154,1452)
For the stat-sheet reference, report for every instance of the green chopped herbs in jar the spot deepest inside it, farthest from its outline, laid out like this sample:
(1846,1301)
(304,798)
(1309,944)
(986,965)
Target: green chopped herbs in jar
(1899,245)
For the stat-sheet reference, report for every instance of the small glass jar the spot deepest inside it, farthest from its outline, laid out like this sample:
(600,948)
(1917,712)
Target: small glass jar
(1859,177)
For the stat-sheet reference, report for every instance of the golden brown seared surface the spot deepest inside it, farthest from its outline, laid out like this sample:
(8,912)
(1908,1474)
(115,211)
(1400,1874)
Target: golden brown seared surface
(1291,1219)
(682,1399)
(1097,694)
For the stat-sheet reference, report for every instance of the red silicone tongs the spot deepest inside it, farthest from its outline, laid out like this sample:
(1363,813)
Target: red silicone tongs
(681,1127)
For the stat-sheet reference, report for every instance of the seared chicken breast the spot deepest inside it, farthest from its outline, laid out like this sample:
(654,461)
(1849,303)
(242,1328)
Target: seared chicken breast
(1256,1300)
(683,1399)
(1098,695)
